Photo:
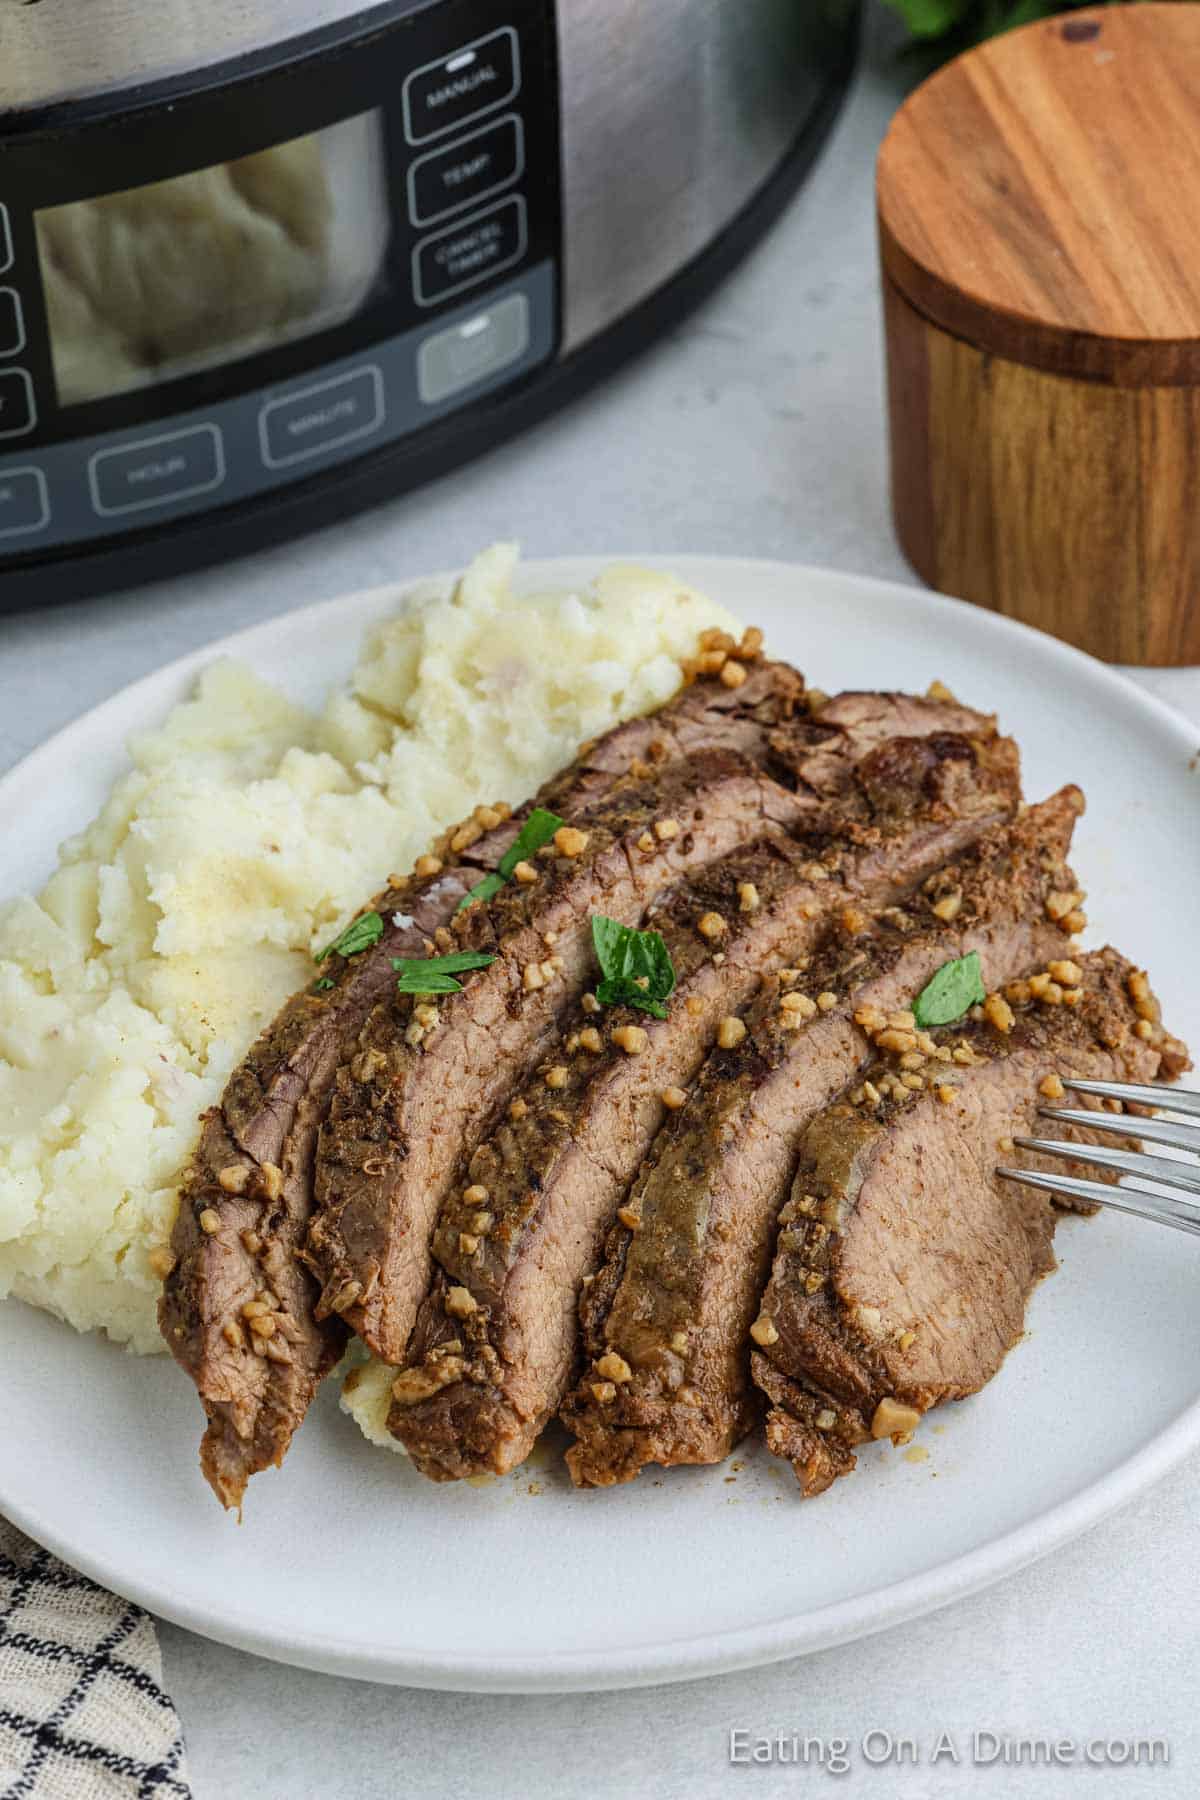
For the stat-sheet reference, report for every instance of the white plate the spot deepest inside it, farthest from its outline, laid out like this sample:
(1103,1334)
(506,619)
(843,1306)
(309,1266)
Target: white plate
(349,1562)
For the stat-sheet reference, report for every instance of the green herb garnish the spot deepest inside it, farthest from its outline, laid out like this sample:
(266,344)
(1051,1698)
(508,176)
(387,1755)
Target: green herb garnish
(953,991)
(636,966)
(491,884)
(957,23)
(537,830)
(319,987)
(359,935)
(435,974)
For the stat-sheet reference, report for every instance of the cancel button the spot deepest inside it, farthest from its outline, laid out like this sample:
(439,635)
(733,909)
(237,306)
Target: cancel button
(461,255)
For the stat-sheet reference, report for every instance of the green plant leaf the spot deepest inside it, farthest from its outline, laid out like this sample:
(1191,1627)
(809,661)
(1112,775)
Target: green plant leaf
(952,992)
(358,936)
(483,890)
(932,18)
(956,24)
(636,966)
(627,993)
(435,974)
(537,830)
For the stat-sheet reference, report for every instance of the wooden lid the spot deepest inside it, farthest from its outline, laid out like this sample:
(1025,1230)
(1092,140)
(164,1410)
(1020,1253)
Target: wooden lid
(1040,196)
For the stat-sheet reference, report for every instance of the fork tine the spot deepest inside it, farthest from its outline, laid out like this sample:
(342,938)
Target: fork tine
(1159,1208)
(1179,1100)
(1150,1131)
(1121,1162)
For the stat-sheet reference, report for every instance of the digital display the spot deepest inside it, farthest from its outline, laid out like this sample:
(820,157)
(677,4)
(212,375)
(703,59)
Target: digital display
(205,268)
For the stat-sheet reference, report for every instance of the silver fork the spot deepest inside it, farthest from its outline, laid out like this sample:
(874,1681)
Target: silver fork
(1144,1176)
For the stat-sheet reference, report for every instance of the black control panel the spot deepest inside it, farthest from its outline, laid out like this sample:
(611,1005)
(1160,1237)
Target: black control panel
(437,133)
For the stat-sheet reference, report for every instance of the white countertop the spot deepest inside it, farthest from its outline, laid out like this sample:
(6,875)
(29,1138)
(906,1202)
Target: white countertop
(756,428)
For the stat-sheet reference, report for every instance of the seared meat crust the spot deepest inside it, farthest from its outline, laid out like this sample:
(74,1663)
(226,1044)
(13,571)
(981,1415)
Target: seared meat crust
(665,1323)
(495,1340)
(904,1263)
(424,1083)
(262,1137)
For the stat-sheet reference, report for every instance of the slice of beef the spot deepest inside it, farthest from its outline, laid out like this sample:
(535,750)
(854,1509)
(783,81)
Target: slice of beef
(904,1262)
(245,1201)
(496,1335)
(871,719)
(426,1081)
(425,1075)
(705,715)
(665,1321)
(761,720)
(261,1138)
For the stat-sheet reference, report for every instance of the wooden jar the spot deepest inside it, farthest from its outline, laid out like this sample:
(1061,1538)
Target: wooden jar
(1039,219)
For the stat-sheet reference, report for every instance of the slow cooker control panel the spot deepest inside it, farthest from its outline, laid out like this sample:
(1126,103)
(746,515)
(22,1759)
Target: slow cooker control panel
(384,257)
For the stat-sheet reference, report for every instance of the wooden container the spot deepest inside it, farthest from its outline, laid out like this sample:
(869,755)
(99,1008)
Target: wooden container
(1039,218)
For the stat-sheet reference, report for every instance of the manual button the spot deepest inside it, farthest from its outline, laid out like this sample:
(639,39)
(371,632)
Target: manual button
(156,471)
(461,255)
(444,94)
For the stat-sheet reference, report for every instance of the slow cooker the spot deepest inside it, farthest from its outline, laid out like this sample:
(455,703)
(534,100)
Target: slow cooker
(263,261)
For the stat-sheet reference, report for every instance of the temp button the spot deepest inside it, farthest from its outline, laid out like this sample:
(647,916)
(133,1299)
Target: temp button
(156,471)
(469,170)
(469,352)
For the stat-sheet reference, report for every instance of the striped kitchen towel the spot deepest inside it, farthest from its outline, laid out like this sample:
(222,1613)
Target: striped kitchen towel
(82,1712)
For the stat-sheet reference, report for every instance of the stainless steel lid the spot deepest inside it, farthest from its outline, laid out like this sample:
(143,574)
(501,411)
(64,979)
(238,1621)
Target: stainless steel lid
(73,49)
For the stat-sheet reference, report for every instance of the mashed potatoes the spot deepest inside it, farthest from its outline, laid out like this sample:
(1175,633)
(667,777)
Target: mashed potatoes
(367,1396)
(245,834)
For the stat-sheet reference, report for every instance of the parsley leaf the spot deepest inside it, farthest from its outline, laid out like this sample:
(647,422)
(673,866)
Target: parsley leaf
(319,987)
(491,884)
(537,830)
(958,23)
(636,966)
(627,993)
(359,935)
(952,992)
(435,974)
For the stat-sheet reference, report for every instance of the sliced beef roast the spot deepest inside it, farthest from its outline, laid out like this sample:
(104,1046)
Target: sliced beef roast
(495,1339)
(904,1262)
(247,1196)
(665,1322)
(245,1202)
(424,1082)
